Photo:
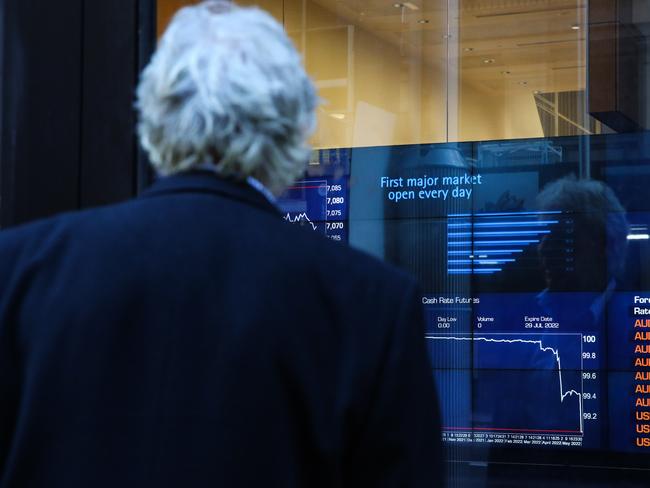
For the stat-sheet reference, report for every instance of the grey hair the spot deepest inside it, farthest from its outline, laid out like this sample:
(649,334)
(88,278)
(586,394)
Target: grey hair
(596,204)
(227,88)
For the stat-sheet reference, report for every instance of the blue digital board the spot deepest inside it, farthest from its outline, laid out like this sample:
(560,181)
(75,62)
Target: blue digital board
(535,279)
(318,202)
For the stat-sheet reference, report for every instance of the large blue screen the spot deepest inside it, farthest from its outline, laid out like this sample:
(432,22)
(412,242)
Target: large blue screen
(533,259)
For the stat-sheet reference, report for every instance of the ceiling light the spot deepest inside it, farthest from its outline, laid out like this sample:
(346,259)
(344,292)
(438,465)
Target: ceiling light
(468,49)
(488,61)
(398,5)
(523,83)
(575,27)
(537,92)
(505,72)
(338,116)
(423,21)
(410,6)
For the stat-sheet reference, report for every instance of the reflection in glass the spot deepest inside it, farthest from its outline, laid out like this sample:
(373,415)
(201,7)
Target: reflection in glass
(394,73)
(546,101)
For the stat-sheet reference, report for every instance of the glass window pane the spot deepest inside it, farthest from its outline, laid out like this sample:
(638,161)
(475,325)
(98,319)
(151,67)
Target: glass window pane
(498,151)
(522,69)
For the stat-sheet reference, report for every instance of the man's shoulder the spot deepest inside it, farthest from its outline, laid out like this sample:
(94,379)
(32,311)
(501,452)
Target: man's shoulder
(16,237)
(23,232)
(33,239)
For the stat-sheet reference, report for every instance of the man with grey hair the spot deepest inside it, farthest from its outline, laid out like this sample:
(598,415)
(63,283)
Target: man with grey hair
(190,337)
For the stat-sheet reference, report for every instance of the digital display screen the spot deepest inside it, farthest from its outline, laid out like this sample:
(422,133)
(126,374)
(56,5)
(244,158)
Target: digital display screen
(532,257)
(319,201)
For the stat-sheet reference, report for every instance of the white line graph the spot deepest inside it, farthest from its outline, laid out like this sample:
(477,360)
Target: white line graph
(301,217)
(542,348)
(297,207)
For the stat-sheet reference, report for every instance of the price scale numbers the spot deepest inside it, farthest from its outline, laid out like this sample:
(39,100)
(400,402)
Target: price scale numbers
(319,202)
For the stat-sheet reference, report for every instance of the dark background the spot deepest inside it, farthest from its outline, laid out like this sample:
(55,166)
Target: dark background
(67,124)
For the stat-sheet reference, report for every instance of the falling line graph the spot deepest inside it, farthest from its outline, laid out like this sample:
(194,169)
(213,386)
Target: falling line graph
(542,348)
(301,217)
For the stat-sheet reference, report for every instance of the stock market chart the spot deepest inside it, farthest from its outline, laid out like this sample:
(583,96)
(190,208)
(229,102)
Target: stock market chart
(319,203)
(535,287)
(527,376)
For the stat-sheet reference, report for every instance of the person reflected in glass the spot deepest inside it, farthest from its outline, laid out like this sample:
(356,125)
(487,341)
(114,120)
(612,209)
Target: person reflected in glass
(586,253)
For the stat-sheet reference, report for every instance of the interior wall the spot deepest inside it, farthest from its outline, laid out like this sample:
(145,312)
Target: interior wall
(481,116)
(373,93)
(520,116)
(376,92)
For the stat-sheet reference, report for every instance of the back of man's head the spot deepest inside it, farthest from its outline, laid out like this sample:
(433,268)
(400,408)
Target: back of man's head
(227,88)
